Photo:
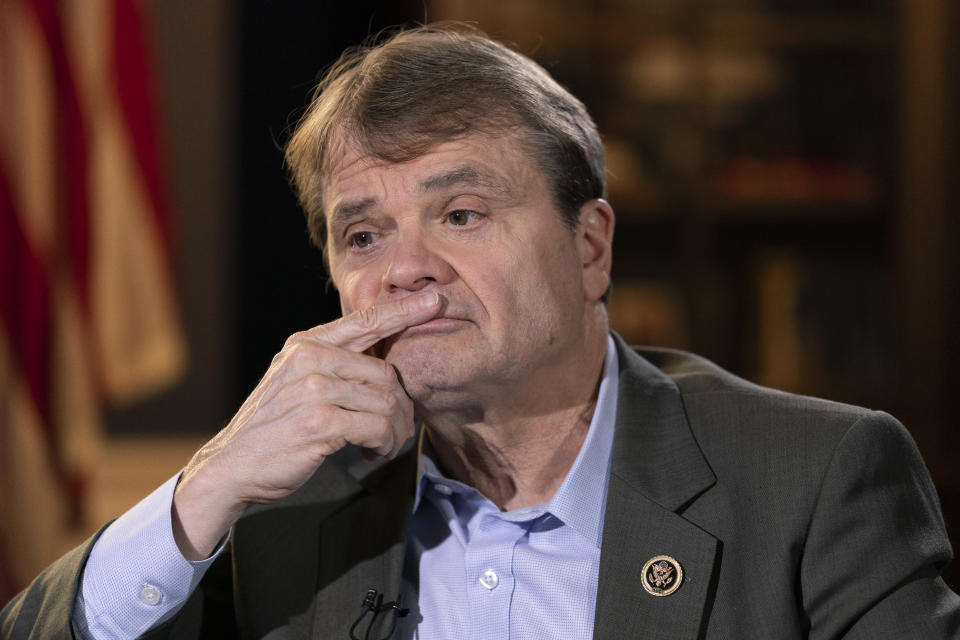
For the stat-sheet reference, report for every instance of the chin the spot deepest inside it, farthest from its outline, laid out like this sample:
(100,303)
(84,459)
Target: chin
(416,352)
(424,370)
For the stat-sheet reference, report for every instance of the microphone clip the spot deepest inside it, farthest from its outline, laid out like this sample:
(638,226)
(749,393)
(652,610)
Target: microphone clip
(373,602)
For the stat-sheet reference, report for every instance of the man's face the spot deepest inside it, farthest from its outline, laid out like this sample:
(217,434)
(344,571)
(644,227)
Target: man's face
(472,219)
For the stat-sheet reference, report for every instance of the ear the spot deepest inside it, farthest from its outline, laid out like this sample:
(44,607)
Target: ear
(595,242)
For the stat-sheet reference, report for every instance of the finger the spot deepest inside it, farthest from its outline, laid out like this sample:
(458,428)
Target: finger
(310,362)
(381,399)
(364,328)
(304,354)
(380,434)
(368,402)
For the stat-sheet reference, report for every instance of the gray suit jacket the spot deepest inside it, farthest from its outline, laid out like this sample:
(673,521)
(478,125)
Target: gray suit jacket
(791,518)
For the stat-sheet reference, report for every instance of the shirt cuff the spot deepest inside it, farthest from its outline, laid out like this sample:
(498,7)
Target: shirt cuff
(136,577)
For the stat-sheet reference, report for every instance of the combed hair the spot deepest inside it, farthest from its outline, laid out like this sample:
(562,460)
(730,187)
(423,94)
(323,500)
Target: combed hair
(420,87)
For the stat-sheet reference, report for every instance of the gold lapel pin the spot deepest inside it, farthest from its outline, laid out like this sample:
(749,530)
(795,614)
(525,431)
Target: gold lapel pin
(661,575)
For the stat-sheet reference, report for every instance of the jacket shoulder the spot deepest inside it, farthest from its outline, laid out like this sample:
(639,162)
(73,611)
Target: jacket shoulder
(756,439)
(712,394)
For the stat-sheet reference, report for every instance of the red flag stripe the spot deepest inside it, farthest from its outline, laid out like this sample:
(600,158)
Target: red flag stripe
(73,203)
(135,82)
(25,302)
(63,298)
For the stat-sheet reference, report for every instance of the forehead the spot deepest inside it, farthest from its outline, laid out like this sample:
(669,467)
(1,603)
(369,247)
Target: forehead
(500,162)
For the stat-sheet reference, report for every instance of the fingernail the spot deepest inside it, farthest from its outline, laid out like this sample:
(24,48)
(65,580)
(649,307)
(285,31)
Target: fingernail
(428,300)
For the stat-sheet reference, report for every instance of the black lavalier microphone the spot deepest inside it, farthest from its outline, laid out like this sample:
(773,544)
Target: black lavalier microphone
(373,601)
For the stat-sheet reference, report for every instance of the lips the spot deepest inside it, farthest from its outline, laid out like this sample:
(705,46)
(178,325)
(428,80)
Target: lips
(432,327)
(442,324)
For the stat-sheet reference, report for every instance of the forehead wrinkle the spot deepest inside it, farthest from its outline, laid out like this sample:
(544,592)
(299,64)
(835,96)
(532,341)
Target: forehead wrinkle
(464,175)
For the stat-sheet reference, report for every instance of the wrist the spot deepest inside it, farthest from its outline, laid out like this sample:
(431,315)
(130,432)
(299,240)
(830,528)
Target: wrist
(201,514)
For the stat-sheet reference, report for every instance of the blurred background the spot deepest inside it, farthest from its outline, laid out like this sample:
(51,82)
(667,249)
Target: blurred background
(784,174)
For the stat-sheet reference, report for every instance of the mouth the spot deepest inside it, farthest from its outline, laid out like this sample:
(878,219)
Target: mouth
(435,325)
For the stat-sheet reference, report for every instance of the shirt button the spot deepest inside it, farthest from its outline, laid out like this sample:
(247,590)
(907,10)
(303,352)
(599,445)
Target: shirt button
(150,595)
(489,579)
(442,488)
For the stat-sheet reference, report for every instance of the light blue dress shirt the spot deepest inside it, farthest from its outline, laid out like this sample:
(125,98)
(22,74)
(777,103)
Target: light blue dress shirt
(471,570)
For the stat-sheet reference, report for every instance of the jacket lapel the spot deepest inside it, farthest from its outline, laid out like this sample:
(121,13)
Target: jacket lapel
(362,547)
(656,470)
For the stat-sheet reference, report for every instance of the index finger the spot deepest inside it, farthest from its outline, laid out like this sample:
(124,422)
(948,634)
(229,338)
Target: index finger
(364,328)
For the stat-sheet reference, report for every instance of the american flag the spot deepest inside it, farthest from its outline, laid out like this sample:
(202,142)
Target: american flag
(88,310)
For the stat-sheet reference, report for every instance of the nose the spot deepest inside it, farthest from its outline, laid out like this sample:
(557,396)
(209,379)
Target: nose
(414,265)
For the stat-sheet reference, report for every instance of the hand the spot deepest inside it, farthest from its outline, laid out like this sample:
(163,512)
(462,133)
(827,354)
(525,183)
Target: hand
(321,392)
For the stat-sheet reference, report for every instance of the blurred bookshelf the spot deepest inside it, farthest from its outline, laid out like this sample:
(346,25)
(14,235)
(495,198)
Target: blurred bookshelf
(751,150)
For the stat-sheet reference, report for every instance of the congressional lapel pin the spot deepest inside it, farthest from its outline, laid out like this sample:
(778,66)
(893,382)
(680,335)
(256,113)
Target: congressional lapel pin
(661,575)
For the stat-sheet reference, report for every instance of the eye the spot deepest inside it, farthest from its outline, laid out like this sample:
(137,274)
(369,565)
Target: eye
(362,239)
(462,217)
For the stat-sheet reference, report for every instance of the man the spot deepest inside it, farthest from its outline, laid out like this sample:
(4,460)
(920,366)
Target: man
(561,485)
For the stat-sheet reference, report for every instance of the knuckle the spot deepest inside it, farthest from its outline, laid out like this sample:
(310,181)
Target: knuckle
(294,339)
(305,353)
(315,383)
(367,318)
(295,354)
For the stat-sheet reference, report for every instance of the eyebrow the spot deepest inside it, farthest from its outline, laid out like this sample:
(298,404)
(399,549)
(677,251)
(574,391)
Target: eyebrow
(346,211)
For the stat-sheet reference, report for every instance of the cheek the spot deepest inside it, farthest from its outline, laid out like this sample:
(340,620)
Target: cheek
(559,289)
(358,290)
(494,283)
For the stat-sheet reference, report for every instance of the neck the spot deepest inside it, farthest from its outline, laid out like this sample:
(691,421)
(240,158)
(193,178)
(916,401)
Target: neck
(518,452)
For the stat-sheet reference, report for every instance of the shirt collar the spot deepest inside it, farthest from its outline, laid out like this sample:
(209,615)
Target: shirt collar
(581,499)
